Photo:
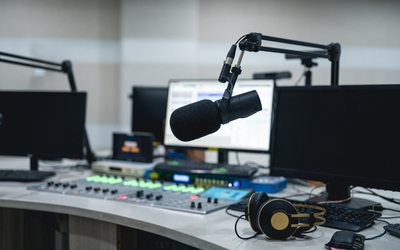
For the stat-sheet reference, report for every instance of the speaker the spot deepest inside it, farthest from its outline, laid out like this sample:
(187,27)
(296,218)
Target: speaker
(278,218)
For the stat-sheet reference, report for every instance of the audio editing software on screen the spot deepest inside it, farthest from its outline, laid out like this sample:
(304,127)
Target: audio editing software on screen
(251,133)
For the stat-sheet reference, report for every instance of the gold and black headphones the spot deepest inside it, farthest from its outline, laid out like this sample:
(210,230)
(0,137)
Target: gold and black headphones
(278,218)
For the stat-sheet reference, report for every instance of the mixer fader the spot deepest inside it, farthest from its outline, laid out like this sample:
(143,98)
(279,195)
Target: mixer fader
(175,196)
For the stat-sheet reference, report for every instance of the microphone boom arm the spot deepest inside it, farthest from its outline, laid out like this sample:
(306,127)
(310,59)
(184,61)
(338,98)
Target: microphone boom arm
(64,67)
(252,42)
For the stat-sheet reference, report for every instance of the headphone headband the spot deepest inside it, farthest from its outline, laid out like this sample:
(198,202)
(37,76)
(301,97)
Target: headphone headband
(278,218)
(312,221)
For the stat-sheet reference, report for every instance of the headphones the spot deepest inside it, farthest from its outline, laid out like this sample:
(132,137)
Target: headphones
(278,218)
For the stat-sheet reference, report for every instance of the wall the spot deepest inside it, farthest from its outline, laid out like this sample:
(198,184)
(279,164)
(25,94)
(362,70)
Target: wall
(117,44)
(85,32)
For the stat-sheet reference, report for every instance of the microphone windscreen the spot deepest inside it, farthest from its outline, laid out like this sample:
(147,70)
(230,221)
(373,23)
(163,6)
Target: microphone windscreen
(195,120)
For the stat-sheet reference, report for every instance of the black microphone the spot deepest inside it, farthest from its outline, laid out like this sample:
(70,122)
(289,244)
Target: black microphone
(204,117)
(227,64)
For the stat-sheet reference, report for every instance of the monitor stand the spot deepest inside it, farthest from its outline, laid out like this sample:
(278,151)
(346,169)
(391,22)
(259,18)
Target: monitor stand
(223,156)
(34,163)
(338,192)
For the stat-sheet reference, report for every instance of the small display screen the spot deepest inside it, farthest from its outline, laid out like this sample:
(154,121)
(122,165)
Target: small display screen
(225,193)
(181,178)
(132,147)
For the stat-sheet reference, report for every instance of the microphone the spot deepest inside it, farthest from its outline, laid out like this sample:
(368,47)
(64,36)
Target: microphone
(195,120)
(227,64)
(205,117)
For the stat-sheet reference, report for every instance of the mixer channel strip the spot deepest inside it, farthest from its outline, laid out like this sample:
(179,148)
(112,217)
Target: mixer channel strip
(181,197)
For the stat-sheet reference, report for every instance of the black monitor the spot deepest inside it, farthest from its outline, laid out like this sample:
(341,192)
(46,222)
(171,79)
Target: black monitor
(341,135)
(42,124)
(248,135)
(148,111)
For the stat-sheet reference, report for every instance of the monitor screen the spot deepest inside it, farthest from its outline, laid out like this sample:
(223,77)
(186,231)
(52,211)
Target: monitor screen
(42,124)
(148,111)
(250,134)
(347,135)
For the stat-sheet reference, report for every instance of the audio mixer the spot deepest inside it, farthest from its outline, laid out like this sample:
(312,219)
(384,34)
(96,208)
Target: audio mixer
(175,196)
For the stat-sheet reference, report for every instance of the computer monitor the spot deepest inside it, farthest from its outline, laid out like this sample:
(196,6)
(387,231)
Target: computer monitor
(250,134)
(341,135)
(148,111)
(42,124)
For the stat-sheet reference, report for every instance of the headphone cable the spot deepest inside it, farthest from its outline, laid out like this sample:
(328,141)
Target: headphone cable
(247,238)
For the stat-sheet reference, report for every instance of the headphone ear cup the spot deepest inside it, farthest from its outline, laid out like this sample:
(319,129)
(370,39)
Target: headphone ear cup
(274,219)
(255,201)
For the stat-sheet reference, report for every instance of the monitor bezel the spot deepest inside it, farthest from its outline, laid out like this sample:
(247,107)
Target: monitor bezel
(136,90)
(219,149)
(350,180)
(78,153)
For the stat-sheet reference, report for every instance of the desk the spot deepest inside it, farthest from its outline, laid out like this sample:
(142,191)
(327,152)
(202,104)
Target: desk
(103,224)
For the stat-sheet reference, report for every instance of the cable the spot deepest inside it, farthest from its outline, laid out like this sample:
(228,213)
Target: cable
(391,217)
(390,209)
(339,201)
(239,218)
(243,37)
(393,200)
(237,158)
(247,238)
(311,230)
(314,189)
(233,215)
(255,164)
(380,235)
(301,78)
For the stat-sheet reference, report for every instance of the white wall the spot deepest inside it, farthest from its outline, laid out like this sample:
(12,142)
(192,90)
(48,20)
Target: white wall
(117,44)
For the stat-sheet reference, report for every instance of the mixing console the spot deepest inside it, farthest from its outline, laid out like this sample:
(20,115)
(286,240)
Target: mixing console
(187,198)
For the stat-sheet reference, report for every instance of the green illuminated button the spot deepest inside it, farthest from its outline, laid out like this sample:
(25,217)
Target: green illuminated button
(173,163)
(198,190)
(188,189)
(92,178)
(154,185)
(115,180)
(171,187)
(179,188)
(221,170)
(144,184)
(131,183)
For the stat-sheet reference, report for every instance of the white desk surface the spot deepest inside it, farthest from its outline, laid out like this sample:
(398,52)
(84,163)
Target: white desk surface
(211,231)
